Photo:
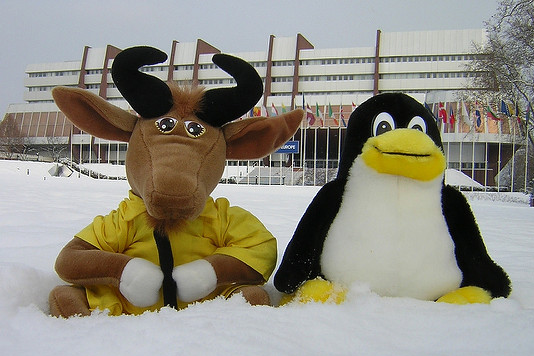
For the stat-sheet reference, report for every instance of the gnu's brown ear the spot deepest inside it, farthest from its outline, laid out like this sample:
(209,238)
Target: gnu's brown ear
(94,115)
(259,137)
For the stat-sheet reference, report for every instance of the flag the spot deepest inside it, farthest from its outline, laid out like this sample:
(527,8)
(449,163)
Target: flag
(309,115)
(257,111)
(274,112)
(465,115)
(341,115)
(331,115)
(430,110)
(504,108)
(478,117)
(264,111)
(442,113)
(318,114)
(490,114)
(283,108)
(452,118)
(353,106)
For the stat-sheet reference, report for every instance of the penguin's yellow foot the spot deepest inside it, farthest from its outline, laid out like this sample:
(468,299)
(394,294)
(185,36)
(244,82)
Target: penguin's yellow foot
(317,290)
(466,295)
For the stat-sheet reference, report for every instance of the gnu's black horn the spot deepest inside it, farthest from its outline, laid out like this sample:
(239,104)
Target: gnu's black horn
(222,105)
(149,96)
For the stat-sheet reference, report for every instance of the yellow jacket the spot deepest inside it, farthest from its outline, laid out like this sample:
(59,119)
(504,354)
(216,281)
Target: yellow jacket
(220,229)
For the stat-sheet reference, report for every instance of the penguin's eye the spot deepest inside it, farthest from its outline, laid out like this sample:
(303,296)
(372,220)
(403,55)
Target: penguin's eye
(383,122)
(417,123)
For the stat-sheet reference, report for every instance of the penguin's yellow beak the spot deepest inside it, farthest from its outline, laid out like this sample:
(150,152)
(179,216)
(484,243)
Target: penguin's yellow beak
(405,152)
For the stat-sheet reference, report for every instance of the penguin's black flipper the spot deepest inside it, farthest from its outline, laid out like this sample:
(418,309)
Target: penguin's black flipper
(477,267)
(301,261)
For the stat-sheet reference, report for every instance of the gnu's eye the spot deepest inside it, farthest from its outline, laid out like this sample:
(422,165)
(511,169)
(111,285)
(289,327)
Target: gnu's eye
(166,124)
(417,123)
(194,129)
(383,122)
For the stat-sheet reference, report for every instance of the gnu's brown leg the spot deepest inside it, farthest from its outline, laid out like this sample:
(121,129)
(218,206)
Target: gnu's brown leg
(255,295)
(67,301)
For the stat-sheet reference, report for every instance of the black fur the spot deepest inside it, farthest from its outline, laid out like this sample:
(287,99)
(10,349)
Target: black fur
(478,269)
(301,261)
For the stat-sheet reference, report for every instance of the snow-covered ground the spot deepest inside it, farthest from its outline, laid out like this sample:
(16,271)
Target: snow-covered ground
(39,214)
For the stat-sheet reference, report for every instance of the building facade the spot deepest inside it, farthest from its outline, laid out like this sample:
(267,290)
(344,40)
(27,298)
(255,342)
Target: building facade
(428,65)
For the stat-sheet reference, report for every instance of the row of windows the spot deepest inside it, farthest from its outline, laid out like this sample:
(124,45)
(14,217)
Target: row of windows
(208,66)
(153,69)
(183,67)
(447,58)
(54,74)
(338,61)
(322,78)
(316,78)
(42,88)
(258,64)
(283,63)
(213,81)
(427,75)
(287,63)
(467,165)
(282,80)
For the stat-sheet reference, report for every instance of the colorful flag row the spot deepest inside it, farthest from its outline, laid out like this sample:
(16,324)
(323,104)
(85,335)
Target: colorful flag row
(318,117)
(476,114)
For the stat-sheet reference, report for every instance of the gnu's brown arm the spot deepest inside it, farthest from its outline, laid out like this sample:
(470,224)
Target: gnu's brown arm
(81,263)
(230,270)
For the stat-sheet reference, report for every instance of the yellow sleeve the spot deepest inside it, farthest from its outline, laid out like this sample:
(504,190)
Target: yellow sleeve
(109,233)
(244,237)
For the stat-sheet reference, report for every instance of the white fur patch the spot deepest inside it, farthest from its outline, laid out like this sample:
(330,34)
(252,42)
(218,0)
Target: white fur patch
(194,280)
(390,232)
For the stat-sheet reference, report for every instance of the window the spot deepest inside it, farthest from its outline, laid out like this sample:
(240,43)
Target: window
(183,67)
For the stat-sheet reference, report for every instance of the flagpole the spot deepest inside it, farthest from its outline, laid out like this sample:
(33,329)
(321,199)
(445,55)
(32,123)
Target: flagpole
(499,154)
(462,140)
(526,152)
(327,145)
(339,130)
(527,119)
(512,132)
(305,131)
(486,131)
(473,131)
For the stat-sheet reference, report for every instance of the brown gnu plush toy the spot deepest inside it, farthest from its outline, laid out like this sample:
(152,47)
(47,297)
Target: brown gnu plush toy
(169,242)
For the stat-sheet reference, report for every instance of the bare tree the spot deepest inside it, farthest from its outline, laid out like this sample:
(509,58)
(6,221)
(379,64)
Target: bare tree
(504,65)
(12,142)
(55,147)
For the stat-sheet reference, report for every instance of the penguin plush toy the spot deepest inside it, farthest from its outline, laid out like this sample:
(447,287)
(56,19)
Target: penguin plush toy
(388,221)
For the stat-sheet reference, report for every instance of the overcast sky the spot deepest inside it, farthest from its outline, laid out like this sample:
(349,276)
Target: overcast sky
(41,31)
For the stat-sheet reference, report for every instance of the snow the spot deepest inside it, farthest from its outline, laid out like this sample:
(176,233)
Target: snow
(458,179)
(40,213)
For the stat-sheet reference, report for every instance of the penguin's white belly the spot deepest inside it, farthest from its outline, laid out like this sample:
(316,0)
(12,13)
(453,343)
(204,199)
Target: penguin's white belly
(390,233)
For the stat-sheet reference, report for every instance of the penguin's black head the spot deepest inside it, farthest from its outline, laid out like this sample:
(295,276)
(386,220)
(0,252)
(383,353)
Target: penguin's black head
(396,135)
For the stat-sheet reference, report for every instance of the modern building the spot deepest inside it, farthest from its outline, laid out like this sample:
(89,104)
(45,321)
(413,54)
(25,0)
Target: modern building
(428,65)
